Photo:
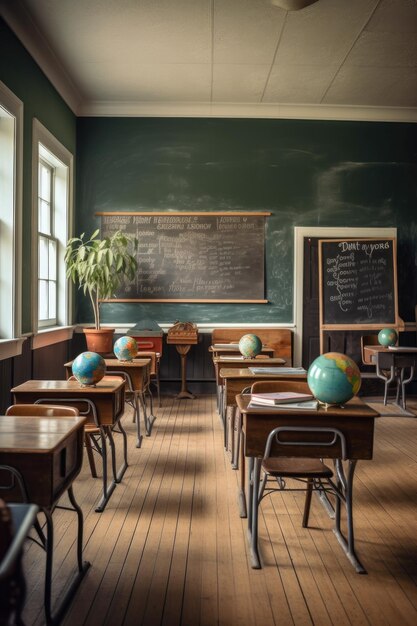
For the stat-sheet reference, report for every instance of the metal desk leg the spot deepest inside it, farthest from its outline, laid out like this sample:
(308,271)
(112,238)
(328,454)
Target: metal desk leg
(137,414)
(82,565)
(242,469)
(253,513)
(106,431)
(346,486)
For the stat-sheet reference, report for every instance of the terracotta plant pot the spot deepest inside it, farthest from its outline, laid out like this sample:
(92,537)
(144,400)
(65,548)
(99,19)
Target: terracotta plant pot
(100,341)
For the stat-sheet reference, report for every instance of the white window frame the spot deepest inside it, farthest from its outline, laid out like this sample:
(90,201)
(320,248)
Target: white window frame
(11,220)
(48,148)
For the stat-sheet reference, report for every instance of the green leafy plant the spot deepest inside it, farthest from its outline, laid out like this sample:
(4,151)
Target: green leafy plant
(100,266)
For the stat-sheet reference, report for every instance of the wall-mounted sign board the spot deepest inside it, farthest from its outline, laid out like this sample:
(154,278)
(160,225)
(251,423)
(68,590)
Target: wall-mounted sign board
(358,284)
(194,257)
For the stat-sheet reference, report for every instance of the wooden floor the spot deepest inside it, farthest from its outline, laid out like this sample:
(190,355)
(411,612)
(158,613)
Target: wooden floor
(171,549)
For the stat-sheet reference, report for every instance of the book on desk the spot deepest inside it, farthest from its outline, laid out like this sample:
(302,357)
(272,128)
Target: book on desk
(277,370)
(280,397)
(305,405)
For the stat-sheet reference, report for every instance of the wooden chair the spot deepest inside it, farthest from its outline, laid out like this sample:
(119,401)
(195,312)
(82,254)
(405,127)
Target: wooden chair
(52,410)
(278,465)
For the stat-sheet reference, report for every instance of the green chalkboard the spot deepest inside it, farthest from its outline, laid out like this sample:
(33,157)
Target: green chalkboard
(304,172)
(193,257)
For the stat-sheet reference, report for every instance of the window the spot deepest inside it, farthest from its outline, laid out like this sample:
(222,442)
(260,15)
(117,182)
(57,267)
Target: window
(11,125)
(47,247)
(52,178)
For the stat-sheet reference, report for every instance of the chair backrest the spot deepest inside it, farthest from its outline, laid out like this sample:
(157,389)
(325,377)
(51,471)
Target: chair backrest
(149,355)
(368,340)
(268,386)
(42,410)
(320,438)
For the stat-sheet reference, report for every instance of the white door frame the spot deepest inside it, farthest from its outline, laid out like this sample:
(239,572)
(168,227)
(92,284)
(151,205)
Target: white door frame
(300,232)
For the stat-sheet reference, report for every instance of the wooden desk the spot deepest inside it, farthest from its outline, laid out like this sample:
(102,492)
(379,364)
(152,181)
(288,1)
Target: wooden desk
(236,379)
(46,453)
(355,420)
(137,375)
(238,362)
(396,362)
(104,402)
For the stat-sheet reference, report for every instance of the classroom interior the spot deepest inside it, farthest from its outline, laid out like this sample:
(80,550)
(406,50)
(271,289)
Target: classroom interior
(303,120)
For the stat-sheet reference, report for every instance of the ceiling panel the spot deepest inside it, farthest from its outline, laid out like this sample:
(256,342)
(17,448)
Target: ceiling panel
(303,84)
(395,86)
(239,83)
(246,31)
(174,81)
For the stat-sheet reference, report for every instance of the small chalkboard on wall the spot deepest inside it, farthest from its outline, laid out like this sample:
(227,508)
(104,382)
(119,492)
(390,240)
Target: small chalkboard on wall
(358,284)
(194,257)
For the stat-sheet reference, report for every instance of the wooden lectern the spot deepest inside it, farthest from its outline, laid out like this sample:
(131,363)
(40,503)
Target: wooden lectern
(183,335)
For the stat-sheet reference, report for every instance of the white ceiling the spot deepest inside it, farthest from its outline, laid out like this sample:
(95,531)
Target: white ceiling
(334,59)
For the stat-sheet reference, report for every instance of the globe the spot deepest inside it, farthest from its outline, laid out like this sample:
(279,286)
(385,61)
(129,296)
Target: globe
(333,378)
(89,368)
(387,337)
(250,346)
(125,348)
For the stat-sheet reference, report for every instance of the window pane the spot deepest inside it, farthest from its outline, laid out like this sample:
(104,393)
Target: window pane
(43,299)
(44,217)
(52,260)
(43,257)
(44,182)
(52,300)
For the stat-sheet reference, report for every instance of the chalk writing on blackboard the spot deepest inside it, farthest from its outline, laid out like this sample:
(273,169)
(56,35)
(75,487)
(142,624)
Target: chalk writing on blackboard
(358,282)
(194,257)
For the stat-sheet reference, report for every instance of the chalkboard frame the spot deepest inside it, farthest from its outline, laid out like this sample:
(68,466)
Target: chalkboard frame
(259,214)
(359,326)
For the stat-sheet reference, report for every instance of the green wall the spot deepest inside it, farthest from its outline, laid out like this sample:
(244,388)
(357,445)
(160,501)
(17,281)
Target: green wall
(20,73)
(307,173)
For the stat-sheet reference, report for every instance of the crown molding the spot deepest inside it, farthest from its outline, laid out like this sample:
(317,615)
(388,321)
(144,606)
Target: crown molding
(254,110)
(22,24)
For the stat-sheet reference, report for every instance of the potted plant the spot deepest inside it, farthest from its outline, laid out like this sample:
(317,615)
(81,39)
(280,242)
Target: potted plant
(100,266)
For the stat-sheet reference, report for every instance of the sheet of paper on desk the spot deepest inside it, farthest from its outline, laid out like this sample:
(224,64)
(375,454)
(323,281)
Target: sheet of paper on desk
(232,357)
(403,348)
(234,346)
(277,370)
(308,405)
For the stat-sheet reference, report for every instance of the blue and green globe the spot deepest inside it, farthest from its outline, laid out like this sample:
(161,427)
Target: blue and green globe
(89,368)
(250,346)
(387,337)
(125,348)
(334,378)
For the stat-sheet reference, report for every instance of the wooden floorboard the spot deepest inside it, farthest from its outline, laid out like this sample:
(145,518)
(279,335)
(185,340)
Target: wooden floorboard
(170,548)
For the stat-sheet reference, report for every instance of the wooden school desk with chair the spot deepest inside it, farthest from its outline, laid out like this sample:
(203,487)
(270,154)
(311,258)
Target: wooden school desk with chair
(103,405)
(339,433)
(392,363)
(41,455)
(237,362)
(136,374)
(235,380)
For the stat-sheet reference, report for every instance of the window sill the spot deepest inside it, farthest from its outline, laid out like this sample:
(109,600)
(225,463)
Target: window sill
(49,336)
(10,348)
